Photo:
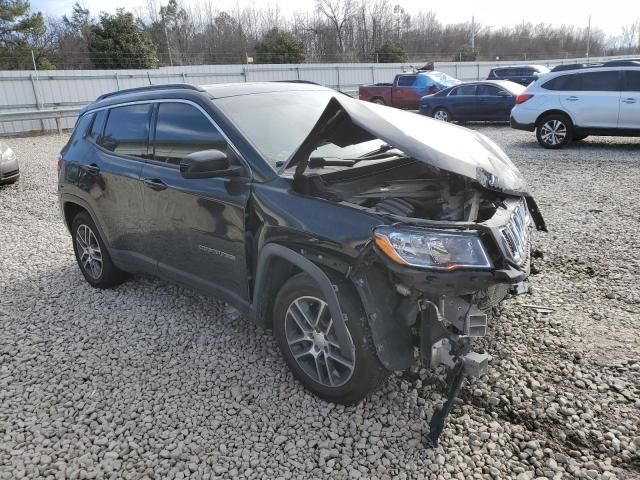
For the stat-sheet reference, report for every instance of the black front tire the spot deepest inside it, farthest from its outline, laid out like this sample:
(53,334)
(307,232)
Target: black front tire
(554,131)
(367,373)
(108,275)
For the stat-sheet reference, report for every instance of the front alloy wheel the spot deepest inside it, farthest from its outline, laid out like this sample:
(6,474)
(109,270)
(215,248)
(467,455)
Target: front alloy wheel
(307,336)
(442,115)
(312,340)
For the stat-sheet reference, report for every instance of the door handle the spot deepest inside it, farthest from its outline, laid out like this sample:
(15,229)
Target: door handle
(629,100)
(155,184)
(572,98)
(93,169)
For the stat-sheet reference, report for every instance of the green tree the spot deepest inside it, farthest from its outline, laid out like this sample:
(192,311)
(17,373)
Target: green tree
(279,47)
(391,52)
(118,41)
(20,32)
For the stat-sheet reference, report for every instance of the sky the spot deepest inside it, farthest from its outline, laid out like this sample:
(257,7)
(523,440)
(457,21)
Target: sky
(609,16)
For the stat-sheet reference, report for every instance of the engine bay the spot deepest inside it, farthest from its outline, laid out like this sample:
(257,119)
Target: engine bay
(402,187)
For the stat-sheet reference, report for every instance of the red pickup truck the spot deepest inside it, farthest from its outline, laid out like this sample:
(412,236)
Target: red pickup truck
(407,89)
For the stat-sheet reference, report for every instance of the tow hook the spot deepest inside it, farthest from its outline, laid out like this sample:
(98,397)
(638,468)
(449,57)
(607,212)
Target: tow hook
(472,364)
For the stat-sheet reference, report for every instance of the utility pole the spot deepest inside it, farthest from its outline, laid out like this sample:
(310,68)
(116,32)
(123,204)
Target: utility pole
(473,33)
(588,36)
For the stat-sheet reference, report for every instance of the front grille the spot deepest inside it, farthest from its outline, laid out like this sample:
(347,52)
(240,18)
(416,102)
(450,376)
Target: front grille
(10,174)
(515,235)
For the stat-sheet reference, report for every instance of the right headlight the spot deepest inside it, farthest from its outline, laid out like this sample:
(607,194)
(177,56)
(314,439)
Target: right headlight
(432,249)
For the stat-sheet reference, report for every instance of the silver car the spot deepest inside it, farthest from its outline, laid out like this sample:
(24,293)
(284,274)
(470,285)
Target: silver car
(9,171)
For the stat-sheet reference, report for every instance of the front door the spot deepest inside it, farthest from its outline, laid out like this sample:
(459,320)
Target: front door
(195,226)
(630,101)
(464,102)
(494,103)
(406,94)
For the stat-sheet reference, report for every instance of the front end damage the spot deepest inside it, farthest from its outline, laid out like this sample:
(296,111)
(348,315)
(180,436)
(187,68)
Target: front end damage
(453,240)
(441,312)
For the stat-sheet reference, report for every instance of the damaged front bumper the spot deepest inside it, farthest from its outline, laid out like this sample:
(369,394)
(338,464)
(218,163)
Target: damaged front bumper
(439,312)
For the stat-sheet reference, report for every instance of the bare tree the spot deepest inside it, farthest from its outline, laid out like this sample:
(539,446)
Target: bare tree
(338,13)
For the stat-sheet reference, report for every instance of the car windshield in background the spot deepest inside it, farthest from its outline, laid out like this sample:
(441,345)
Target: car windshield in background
(442,78)
(276,123)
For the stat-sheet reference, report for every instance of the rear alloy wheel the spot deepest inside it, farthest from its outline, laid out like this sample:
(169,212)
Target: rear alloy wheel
(554,131)
(442,114)
(379,101)
(307,336)
(92,255)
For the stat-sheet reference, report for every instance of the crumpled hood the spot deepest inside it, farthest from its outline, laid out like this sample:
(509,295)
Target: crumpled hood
(442,145)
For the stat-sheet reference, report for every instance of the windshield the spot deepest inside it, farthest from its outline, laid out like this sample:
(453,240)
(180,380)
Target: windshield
(276,123)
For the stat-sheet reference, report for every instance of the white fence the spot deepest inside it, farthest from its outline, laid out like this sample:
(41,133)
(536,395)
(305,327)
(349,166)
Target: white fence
(26,91)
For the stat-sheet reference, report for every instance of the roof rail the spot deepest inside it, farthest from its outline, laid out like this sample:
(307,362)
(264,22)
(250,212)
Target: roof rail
(630,62)
(185,86)
(627,62)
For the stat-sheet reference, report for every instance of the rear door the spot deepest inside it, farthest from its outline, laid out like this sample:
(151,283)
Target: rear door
(630,100)
(196,226)
(111,177)
(592,98)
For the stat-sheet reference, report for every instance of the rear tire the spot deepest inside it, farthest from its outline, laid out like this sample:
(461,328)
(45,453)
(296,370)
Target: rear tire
(305,334)
(554,131)
(378,101)
(92,255)
(442,114)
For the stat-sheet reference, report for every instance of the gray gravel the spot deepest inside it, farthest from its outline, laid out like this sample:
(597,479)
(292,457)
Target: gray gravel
(154,381)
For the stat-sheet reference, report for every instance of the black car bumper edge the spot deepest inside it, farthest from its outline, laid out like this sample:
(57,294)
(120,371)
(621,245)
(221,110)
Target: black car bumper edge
(528,127)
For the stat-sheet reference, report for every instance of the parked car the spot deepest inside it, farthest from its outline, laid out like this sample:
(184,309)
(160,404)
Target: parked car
(9,170)
(522,74)
(489,100)
(407,89)
(569,105)
(355,231)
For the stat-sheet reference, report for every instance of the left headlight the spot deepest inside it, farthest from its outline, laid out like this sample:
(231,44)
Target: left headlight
(6,154)
(432,249)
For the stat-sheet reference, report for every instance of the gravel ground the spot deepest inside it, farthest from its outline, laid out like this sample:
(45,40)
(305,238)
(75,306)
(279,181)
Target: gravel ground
(154,381)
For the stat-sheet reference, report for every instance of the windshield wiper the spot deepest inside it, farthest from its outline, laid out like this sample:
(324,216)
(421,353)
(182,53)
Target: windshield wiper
(381,149)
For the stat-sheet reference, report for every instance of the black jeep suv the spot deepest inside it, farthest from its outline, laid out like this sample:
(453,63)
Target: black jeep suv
(360,233)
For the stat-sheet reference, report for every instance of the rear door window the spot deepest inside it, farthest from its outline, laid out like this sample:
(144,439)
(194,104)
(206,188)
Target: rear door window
(406,80)
(490,90)
(182,129)
(600,82)
(632,80)
(127,130)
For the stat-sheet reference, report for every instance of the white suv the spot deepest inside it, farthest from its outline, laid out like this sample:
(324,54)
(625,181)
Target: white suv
(573,103)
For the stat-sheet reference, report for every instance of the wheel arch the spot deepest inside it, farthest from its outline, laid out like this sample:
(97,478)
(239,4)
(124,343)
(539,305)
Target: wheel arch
(554,111)
(276,264)
(72,206)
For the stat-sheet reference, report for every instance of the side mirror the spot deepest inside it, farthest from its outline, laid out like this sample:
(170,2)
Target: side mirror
(207,164)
